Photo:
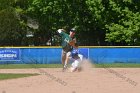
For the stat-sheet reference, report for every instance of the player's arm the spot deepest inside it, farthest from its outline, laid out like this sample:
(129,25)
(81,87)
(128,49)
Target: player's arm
(60,31)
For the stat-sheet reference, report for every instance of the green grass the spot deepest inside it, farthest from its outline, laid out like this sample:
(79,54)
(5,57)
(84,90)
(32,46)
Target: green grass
(26,66)
(4,76)
(118,65)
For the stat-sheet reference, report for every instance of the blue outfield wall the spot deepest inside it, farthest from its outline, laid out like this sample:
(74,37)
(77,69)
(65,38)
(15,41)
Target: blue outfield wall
(52,55)
(115,55)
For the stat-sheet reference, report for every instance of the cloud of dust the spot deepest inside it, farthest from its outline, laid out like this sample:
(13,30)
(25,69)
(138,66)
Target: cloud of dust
(86,65)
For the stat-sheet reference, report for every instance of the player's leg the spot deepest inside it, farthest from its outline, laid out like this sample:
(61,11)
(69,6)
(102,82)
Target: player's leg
(80,62)
(81,56)
(63,58)
(67,58)
(74,66)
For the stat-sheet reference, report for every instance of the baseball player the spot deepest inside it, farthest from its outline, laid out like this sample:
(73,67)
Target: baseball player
(67,46)
(77,59)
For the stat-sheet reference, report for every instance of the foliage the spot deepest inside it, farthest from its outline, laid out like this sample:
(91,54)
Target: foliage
(9,24)
(126,27)
(97,22)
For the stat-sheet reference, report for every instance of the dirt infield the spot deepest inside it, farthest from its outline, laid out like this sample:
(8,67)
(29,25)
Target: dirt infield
(53,80)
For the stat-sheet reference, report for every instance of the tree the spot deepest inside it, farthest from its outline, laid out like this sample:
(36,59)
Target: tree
(118,20)
(98,20)
(9,25)
(125,29)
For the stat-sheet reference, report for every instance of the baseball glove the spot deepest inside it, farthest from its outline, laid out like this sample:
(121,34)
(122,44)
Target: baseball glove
(72,43)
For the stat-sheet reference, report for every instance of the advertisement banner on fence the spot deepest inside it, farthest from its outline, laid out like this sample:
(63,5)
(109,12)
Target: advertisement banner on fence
(10,54)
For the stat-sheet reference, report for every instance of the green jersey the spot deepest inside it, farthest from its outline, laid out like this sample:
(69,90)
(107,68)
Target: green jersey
(65,41)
